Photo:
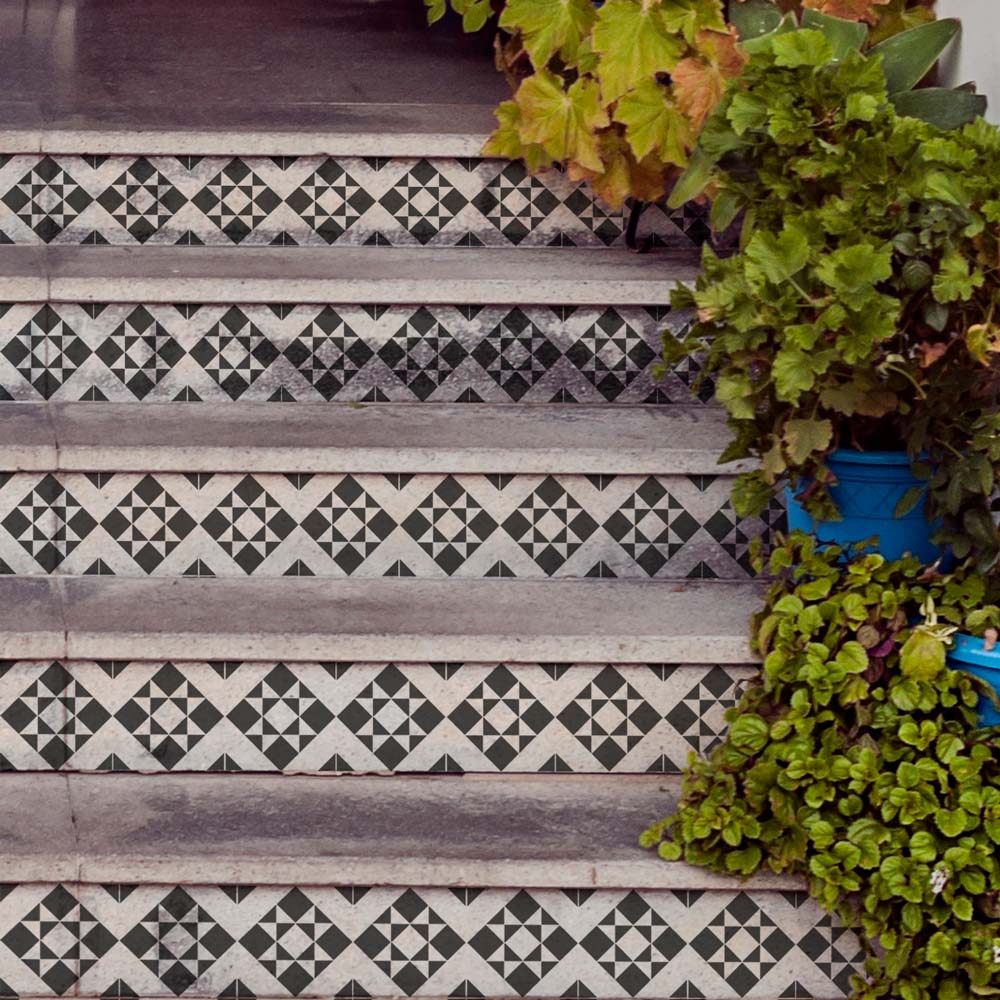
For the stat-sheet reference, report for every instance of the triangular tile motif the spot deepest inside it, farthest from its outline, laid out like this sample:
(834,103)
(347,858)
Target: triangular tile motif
(119,990)
(465,990)
(237,990)
(352,990)
(579,991)
(353,893)
(237,893)
(337,765)
(687,991)
(795,991)
(446,765)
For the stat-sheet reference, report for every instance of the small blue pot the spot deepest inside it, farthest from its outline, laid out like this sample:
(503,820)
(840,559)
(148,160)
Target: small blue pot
(869,486)
(967,653)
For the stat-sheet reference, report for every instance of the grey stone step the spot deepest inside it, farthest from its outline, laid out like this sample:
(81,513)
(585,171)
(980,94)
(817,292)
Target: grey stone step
(343,274)
(297,886)
(370,491)
(387,620)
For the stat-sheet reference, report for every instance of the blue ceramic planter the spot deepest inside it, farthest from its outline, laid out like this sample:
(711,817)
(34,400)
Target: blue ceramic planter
(968,654)
(870,485)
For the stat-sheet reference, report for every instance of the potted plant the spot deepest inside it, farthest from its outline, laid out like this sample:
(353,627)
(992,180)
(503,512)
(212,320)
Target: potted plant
(854,338)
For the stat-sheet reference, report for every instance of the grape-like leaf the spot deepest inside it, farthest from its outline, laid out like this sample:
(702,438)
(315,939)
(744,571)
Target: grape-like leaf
(550,26)
(654,124)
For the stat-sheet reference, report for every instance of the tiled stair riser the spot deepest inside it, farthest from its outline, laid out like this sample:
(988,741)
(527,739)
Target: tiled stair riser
(312,353)
(309,201)
(360,717)
(374,525)
(238,942)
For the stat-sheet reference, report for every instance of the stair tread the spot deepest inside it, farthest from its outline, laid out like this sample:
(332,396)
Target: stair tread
(376,620)
(478,831)
(345,274)
(363,438)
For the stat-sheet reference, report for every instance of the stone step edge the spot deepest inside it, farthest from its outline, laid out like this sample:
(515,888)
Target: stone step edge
(344,275)
(361,129)
(552,832)
(382,620)
(405,438)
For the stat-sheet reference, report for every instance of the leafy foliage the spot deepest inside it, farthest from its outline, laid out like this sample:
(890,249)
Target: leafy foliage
(860,311)
(617,92)
(853,760)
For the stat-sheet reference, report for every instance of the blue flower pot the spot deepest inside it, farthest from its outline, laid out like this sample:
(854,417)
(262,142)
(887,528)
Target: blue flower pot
(870,485)
(967,653)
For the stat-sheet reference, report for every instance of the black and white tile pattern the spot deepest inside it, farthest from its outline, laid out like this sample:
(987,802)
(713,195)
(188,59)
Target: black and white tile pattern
(280,941)
(317,353)
(372,525)
(337,717)
(309,201)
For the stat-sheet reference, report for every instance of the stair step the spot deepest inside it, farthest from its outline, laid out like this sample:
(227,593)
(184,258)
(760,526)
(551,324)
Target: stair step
(303,619)
(368,491)
(342,274)
(453,872)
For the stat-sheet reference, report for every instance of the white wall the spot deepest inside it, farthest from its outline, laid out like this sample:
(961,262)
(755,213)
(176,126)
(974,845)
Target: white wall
(975,55)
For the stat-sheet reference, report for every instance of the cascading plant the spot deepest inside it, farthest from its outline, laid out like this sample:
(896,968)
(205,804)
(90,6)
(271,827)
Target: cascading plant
(853,759)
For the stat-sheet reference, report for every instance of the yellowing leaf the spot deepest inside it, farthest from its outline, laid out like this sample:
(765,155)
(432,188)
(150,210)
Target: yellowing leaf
(550,26)
(634,43)
(623,176)
(562,121)
(690,16)
(506,141)
(850,10)
(700,81)
(804,438)
(653,124)
(982,340)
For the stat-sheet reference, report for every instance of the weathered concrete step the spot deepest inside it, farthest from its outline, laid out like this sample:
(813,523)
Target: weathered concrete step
(387,620)
(347,275)
(369,491)
(349,717)
(298,886)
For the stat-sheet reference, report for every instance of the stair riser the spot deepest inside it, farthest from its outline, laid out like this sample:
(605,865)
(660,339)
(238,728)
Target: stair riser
(374,525)
(308,200)
(312,353)
(280,941)
(361,717)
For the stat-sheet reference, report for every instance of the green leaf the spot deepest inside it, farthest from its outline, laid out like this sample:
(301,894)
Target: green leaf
(754,18)
(923,656)
(735,392)
(951,822)
(764,43)
(776,258)
(549,26)
(962,908)
(909,500)
(923,846)
(749,734)
(941,951)
(435,10)
(938,106)
(805,438)
(744,862)
(853,271)
(844,36)
(908,57)
(694,180)
(802,48)
(653,124)
(634,44)
(954,281)
(852,658)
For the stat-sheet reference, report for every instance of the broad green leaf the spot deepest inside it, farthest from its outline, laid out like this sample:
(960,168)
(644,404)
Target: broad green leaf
(845,36)
(653,123)
(951,822)
(550,26)
(435,10)
(805,438)
(923,656)
(938,106)
(941,951)
(802,48)
(688,17)
(694,180)
(753,18)
(954,281)
(634,44)
(776,258)
(506,140)
(735,393)
(563,121)
(908,57)
(746,111)
(852,272)
(923,846)
(763,43)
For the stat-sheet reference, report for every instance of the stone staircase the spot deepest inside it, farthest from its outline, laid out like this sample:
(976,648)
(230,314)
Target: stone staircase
(369,694)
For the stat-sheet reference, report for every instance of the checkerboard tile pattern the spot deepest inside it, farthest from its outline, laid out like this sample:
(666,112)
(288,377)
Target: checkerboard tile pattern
(372,525)
(316,353)
(363,717)
(244,942)
(310,201)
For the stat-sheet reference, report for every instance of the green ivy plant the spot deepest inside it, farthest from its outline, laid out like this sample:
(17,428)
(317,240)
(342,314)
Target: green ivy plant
(861,310)
(853,759)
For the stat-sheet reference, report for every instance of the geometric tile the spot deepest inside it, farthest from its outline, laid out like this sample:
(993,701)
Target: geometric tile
(330,201)
(236,200)
(141,200)
(699,714)
(423,201)
(234,353)
(46,199)
(140,352)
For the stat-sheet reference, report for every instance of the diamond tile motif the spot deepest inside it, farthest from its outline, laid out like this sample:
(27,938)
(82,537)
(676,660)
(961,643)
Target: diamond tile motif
(391,716)
(699,715)
(633,944)
(234,353)
(516,203)
(236,200)
(613,354)
(46,351)
(409,942)
(522,943)
(328,354)
(249,524)
(295,941)
(140,352)
(330,201)
(178,941)
(237,943)
(516,354)
(141,200)
(423,201)
(423,354)
(46,199)
(48,523)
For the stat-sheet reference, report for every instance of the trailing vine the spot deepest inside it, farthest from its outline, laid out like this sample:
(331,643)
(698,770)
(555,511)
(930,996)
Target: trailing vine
(853,759)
